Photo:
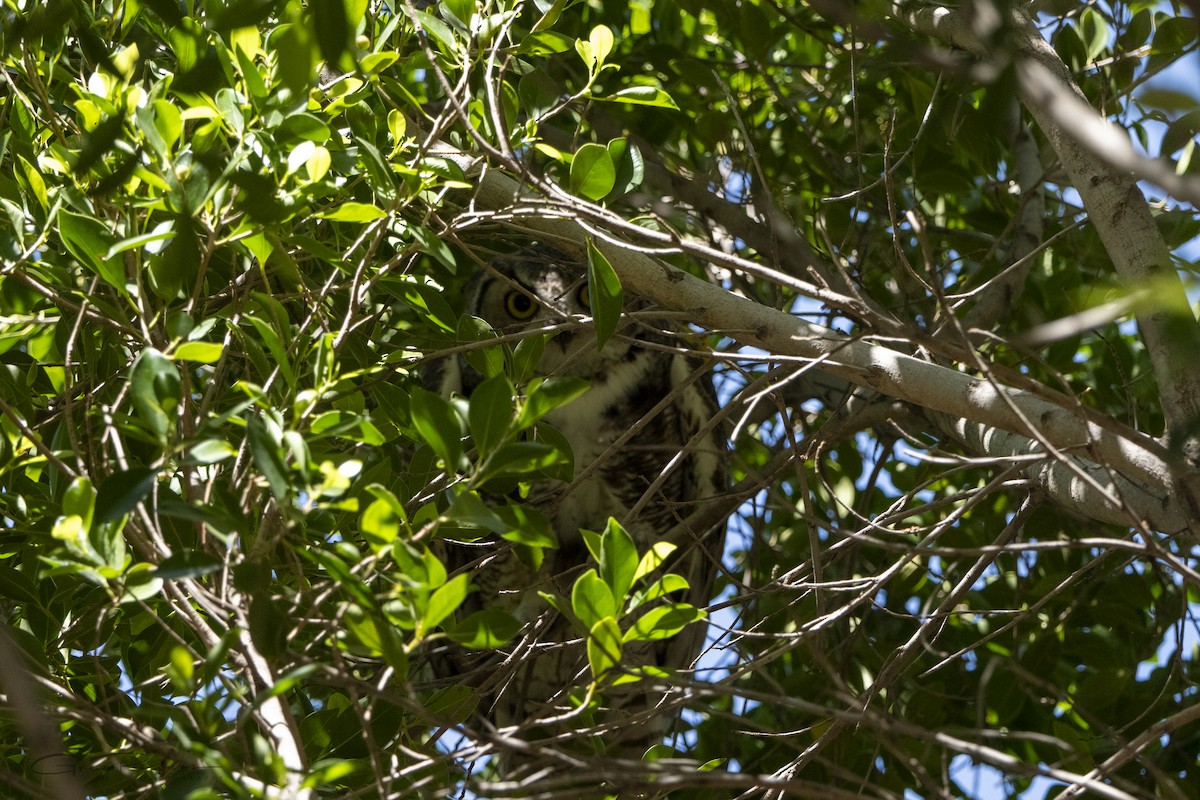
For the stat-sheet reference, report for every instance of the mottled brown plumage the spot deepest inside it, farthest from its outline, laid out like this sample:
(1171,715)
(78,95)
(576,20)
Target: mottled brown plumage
(634,372)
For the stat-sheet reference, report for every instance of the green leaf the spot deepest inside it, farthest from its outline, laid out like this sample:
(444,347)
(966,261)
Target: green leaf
(490,412)
(397,124)
(546,395)
(629,165)
(653,558)
(376,63)
(550,16)
(429,303)
(663,622)
(293,50)
(454,703)
(108,543)
(641,96)
(164,230)
(525,525)
(660,588)
(140,582)
(485,629)
(155,387)
(604,290)
(200,352)
(594,543)
(591,599)
(80,500)
(487,361)
(618,559)
(187,564)
(596,49)
(347,425)
(593,173)
(266,449)
(1093,32)
(381,523)
(122,491)
(434,245)
(354,212)
(463,10)
(85,238)
(16,585)
(332,29)
(601,40)
(439,32)
(468,509)
(270,337)
(210,451)
(604,646)
(446,600)
(526,356)
(362,626)
(438,425)
(521,459)
(33,182)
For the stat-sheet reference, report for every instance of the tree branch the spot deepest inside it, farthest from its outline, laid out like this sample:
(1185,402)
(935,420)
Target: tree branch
(1131,454)
(1103,168)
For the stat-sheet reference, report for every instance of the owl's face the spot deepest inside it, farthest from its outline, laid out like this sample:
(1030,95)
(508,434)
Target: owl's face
(537,288)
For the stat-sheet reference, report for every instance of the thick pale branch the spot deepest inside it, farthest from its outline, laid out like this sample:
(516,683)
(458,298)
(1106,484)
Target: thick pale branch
(1064,482)
(894,374)
(1104,170)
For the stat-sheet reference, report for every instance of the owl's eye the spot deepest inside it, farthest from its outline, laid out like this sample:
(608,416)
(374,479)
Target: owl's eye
(583,297)
(520,305)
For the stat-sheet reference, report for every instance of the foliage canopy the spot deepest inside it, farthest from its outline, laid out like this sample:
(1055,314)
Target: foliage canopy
(953,342)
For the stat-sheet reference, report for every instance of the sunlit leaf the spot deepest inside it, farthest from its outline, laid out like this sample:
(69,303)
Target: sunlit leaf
(485,629)
(591,599)
(604,646)
(446,600)
(663,622)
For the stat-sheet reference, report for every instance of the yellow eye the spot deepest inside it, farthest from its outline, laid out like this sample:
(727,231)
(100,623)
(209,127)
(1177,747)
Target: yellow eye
(583,297)
(520,305)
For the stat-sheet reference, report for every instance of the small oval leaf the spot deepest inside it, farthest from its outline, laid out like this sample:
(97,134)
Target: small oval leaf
(593,174)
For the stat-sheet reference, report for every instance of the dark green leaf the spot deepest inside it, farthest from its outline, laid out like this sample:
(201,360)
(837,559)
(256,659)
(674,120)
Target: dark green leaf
(87,239)
(155,387)
(630,167)
(121,492)
(525,525)
(485,629)
(491,412)
(468,509)
(607,299)
(592,172)
(189,564)
(266,449)
(438,425)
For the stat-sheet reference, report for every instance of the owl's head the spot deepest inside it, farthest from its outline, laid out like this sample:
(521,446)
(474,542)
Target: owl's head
(531,288)
(539,287)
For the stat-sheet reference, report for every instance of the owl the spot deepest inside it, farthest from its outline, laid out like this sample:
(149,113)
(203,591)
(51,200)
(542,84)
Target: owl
(650,482)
